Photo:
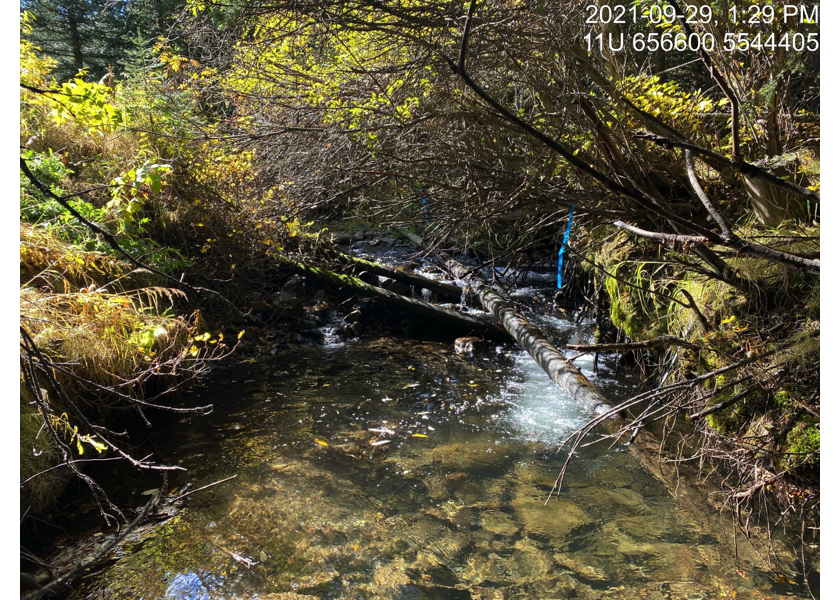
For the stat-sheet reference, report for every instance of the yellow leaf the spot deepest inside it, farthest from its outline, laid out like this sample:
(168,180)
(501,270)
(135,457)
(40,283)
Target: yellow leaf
(420,435)
(241,333)
(322,442)
(729,320)
(100,447)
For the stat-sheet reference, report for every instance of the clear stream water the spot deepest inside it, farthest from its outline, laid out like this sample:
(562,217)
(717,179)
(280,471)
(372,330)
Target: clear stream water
(398,469)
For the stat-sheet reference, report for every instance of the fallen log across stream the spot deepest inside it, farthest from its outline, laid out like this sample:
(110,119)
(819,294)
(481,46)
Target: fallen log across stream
(468,324)
(647,447)
(445,289)
(552,361)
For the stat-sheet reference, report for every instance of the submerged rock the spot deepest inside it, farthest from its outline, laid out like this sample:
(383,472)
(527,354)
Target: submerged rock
(601,496)
(585,566)
(499,523)
(389,577)
(555,521)
(475,456)
(527,562)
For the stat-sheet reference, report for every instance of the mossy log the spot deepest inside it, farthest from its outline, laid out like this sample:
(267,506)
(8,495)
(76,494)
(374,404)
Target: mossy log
(449,290)
(461,322)
(552,361)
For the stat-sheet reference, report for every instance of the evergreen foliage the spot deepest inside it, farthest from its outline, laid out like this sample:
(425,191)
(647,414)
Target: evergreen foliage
(95,35)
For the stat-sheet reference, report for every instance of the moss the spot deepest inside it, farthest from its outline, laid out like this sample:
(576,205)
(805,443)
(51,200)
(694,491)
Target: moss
(802,446)
(783,400)
(727,420)
(625,316)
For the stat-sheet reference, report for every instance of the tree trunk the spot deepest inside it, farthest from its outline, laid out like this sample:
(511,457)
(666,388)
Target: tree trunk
(446,289)
(464,324)
(552,361)
(75,39)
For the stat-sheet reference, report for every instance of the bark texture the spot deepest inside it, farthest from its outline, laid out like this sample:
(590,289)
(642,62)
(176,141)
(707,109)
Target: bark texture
(463,324)
(550,359)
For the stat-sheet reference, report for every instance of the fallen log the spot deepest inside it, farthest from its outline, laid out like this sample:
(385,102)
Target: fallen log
(552,361)
(468,324)
(665,340)
(647,447)
(446,289)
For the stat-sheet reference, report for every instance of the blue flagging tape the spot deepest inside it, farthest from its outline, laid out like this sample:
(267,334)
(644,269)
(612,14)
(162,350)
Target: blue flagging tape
(425,207)
(563,248)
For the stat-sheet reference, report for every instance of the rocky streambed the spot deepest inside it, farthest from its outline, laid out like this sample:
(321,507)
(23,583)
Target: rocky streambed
(393,468)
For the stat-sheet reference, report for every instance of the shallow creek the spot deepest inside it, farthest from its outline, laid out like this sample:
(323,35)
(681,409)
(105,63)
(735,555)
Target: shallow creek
(398,469)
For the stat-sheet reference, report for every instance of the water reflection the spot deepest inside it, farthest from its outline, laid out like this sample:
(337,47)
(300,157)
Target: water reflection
(395,470)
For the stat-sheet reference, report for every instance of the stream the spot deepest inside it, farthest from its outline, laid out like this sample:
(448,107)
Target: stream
(393,468)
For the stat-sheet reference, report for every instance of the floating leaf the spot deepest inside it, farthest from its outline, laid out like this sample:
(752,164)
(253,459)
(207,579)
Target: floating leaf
(322,442)
(420,435)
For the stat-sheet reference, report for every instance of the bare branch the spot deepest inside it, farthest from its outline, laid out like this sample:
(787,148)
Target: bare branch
(665,340)
(671,239)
